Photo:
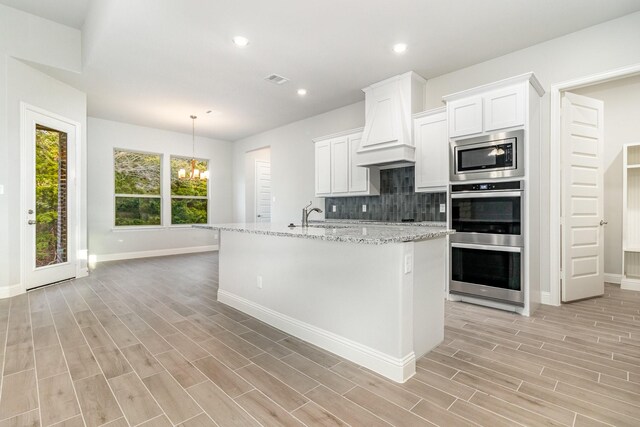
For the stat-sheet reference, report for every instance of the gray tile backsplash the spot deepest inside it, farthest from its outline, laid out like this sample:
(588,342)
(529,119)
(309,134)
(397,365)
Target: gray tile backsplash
(397,201)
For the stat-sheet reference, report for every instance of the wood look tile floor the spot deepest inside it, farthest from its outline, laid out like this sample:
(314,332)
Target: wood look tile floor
(145,342)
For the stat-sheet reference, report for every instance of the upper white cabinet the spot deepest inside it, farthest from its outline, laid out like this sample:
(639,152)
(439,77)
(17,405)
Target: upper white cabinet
(340,165)
(504,108)
(489,108)
(389,106)
(337,172)
(432,150)
(358,175)
(323,167)
(465,116)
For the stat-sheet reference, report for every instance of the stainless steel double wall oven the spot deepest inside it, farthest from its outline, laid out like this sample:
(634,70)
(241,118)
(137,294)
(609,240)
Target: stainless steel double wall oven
(487,212)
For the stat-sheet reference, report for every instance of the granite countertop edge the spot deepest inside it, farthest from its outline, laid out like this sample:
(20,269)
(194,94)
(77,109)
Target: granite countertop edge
(413,235)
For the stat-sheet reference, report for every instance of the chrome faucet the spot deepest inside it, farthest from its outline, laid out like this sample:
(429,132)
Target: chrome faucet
(306,212)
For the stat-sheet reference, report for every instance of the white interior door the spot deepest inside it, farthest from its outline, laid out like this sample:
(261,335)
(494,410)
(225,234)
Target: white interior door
(582,197)
(48,198)
(263,191)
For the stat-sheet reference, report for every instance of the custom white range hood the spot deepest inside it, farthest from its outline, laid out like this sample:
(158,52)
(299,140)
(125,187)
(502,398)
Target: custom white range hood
(387,140)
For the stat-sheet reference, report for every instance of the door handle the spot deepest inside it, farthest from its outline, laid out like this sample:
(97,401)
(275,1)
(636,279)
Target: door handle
(31,222)
(603,222)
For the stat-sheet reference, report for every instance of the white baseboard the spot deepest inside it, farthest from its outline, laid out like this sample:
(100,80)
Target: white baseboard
(545,298)
(12,291)
(613,278)
(630,284)
(396,369)
(154,253)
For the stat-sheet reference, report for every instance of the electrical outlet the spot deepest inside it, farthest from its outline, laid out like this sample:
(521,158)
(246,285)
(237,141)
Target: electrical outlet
(364,208)
(443,207)
(408,263)
(259,282)
(333,208)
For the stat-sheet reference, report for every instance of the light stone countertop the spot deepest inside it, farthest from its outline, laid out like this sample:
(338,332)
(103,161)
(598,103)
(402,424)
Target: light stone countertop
(365,233)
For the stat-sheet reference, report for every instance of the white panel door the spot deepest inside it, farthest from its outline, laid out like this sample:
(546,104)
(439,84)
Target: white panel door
(339,165)
(48,198)
(582,194)
(323,167)
(263,191)
(358,175)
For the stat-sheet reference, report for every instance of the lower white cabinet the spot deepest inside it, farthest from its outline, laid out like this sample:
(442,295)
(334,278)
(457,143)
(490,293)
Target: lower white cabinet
(336,170)
(432,150)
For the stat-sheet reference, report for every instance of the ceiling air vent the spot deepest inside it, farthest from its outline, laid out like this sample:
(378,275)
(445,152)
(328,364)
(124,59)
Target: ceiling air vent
(274,78)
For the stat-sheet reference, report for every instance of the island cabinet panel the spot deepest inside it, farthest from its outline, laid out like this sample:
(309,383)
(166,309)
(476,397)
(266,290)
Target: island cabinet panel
(337,172)
(432,151)
(323,168)
(382,308)
(340,165)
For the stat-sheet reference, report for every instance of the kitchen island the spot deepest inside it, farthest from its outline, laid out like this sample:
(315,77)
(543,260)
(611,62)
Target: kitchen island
(373,294)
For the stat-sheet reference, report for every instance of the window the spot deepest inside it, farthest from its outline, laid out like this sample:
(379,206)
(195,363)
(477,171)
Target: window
(189,197)
(137,188)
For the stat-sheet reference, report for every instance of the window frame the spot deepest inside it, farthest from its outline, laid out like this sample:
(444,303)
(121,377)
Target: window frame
(171,196)
(137,196)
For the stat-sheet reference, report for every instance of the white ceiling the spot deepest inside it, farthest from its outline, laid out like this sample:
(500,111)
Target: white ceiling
(155,62)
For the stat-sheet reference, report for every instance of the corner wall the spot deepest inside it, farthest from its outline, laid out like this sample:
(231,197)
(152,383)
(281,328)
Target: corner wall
(107,242)
(292,162)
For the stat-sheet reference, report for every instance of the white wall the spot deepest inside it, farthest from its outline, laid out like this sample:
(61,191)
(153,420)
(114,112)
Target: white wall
(250,159)
(292,162)
(109,243)
(31,38)
(621,126)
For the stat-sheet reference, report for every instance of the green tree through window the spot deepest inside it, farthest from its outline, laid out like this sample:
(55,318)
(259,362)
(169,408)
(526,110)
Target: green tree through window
(189,197)
(137,188)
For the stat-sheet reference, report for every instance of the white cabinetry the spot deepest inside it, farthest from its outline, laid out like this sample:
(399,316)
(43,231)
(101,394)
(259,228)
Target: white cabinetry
(432,150)
(389,106)
(323,167)
(487,111)
(339,165)
(631,218)
(337,173)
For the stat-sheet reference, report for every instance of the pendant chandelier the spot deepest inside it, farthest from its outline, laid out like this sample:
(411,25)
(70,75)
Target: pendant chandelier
(195,173)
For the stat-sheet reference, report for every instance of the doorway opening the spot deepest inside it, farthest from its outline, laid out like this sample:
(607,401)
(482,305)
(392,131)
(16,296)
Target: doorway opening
(598,118)
(258,194)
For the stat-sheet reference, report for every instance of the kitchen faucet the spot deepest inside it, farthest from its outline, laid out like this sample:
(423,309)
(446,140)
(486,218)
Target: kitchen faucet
(306,212)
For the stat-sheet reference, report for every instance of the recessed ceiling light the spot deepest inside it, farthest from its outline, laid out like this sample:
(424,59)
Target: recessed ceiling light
(400,47)
(302,92)
(240,41)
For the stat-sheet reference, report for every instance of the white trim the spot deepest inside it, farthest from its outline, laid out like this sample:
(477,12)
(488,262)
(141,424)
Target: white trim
(80,221)
(630,284)
(530,77)
(555,158)
(331,136)
(396,369)
(154,253)
(12,290)
(545,298)
(613,278)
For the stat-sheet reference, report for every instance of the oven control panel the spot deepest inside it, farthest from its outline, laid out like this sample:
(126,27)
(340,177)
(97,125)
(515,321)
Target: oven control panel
(488,186)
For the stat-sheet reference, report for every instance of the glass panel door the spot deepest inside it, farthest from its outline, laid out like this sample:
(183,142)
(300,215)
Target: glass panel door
(51,191)
(48,198)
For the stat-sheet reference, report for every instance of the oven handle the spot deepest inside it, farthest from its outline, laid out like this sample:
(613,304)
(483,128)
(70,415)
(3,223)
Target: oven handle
(472,195)
(487,247)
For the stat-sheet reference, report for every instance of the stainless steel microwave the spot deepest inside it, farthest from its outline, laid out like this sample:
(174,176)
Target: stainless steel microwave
(500,155)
